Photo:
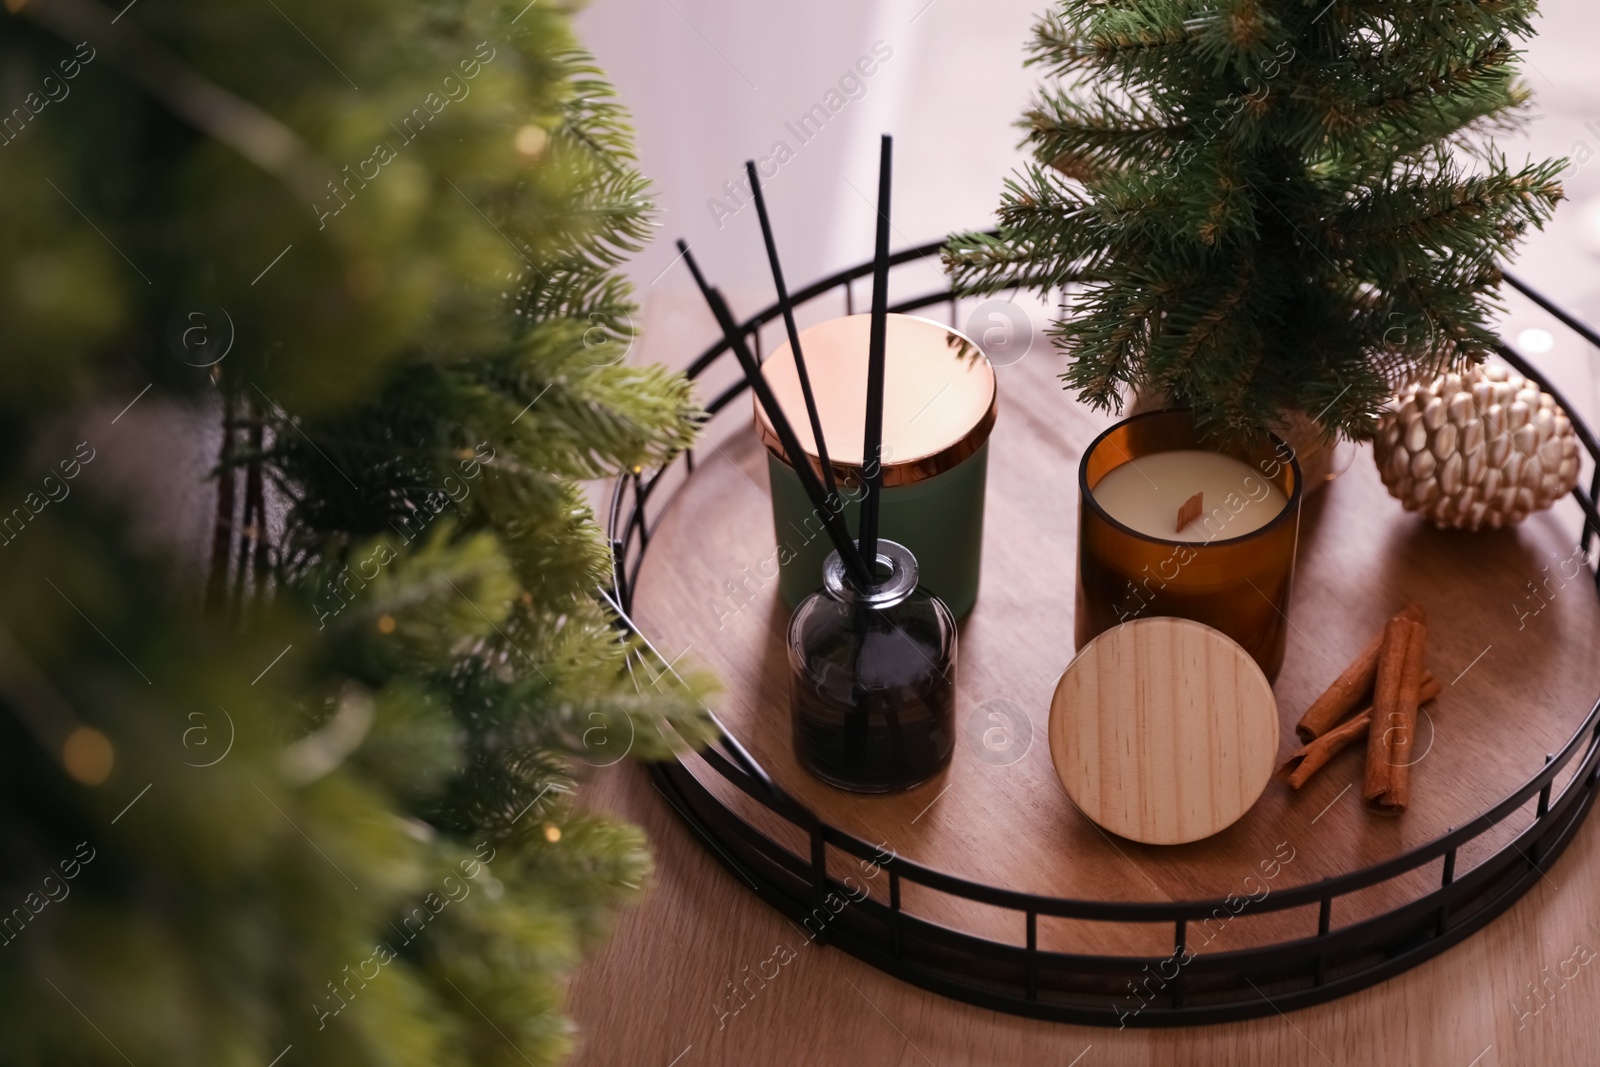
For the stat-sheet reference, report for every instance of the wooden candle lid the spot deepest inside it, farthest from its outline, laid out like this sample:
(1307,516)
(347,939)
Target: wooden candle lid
(1163,730)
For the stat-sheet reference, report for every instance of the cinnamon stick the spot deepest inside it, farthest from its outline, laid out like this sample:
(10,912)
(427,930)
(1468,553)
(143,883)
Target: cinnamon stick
(1317,754)
(1351,689)
(1386,786)
(1398,797)
(1386,700)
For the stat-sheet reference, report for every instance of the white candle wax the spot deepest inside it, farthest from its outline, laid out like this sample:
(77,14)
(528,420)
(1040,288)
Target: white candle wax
(1146,494)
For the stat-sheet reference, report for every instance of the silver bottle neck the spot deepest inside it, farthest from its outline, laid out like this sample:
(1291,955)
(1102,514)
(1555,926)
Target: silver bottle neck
(896,566)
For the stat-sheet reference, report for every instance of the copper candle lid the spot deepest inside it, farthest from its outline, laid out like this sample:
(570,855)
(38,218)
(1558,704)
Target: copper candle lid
(939,396)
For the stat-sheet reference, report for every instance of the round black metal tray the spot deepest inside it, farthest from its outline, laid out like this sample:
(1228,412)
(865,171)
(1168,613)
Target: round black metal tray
(1093,989)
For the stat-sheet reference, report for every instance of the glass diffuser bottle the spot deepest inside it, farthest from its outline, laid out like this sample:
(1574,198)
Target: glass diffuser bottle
(872,677)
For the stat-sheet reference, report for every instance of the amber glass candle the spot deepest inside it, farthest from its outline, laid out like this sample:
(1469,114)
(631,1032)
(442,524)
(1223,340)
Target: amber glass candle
(1230,567)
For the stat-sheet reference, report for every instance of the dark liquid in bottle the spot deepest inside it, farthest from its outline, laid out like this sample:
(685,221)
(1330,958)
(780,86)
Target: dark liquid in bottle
(877,712)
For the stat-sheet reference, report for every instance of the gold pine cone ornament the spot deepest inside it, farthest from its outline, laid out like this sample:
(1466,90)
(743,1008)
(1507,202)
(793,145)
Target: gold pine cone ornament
(1481,448)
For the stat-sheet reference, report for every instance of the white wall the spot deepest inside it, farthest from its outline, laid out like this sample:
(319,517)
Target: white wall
(713,82)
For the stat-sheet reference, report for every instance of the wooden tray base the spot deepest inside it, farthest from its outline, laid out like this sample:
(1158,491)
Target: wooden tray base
(1519,669)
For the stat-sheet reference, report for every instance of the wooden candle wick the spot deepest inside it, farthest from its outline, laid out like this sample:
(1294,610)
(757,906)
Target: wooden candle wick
(1351,689)
(1190,511)
(787,308)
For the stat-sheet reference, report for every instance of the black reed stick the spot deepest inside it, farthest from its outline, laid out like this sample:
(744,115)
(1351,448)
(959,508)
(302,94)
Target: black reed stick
(788,323)
(832,523)
(872,448)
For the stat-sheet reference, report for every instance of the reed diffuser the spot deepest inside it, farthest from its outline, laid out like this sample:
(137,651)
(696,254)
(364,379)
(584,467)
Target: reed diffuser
(872,667)
(872,656)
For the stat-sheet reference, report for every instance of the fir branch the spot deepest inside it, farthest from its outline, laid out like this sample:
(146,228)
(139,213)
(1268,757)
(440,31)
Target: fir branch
(1191,338)
(1441,20)
(1038,207)
(1088,139)
(1105,342)
(1236,34)
(1404,223)
(982,263)
(1465,89)
(1108,39)
(1180,141)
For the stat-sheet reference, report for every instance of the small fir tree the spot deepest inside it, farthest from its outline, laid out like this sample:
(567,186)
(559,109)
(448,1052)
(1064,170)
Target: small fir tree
(1269,205)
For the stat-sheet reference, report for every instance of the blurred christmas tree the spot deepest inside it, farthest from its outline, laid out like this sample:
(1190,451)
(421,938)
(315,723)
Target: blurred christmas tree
(1272,205)
(327,816)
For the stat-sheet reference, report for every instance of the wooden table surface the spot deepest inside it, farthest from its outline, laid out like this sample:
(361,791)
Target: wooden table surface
(661,992)
(657,993)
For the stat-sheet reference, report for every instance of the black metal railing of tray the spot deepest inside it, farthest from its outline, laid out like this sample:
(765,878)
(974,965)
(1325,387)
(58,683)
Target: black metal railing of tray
(1180,988)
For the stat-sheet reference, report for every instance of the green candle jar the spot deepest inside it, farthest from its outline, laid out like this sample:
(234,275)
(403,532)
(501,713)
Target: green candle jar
(939,408)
